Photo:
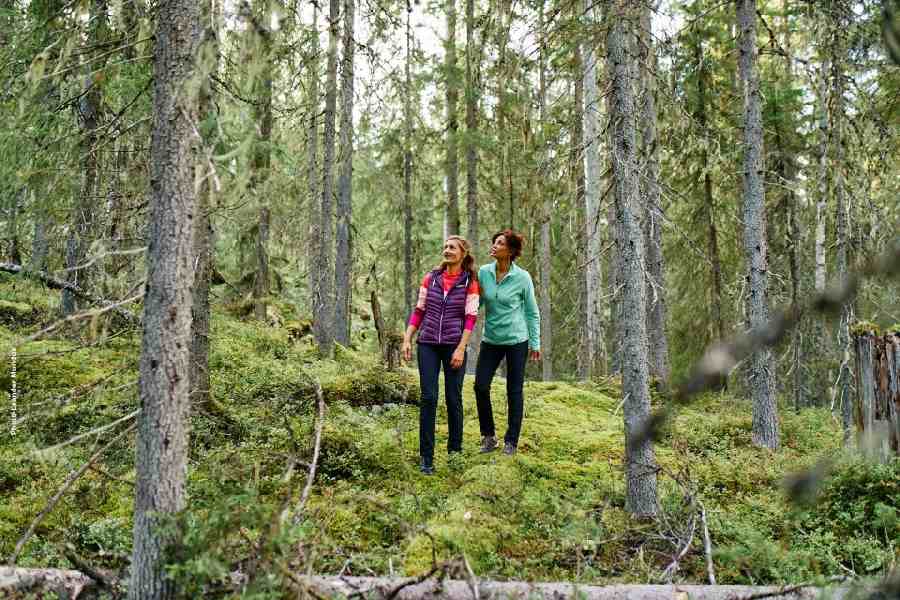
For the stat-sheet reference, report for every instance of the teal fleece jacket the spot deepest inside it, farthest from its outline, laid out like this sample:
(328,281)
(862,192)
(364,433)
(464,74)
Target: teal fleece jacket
(511,311)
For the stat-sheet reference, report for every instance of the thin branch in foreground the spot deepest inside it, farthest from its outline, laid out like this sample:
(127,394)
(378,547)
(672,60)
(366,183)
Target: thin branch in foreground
(73,476)
(78,316)
(311,475)
(59,284)
(81,436)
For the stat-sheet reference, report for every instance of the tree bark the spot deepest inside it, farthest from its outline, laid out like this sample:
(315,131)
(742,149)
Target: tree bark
(546,208)
(408,284)
(761,376)
(842,217)
(640,469)
(83,217)
(343,265)
(584,357)
(592,186)
(203,252)
(452,93)
(472,98)
(877,409)
(312,159)
(262,155)
(712,237)
(323,311)
(162,443)
(656,268)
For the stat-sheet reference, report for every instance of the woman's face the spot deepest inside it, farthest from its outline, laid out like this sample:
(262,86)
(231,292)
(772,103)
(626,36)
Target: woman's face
(499,249)
(453,252)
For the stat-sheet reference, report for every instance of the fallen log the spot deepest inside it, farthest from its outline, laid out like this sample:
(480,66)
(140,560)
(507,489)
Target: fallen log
(74,583)
(15,582)
(59,284)
(383,588)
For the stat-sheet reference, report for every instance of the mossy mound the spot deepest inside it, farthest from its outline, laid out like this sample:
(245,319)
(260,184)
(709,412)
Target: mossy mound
(556,510)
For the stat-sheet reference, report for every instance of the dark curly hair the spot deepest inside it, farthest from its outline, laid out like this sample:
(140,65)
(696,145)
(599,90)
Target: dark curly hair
(514,241)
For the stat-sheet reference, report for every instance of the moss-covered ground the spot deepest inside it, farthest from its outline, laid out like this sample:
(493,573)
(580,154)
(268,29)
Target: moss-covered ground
(555,511)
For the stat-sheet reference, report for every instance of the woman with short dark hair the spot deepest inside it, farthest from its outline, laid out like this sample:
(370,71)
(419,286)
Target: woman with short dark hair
(512,330)
(444,315)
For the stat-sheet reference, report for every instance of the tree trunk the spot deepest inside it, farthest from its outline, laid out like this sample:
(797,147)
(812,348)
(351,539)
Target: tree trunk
(323,311)
(162,441)
(584,357)
(13,253)
(546,208)
(877,410)
(471,95)
(343,264)
(203,252)
(82,220)
(452,172)
(632,334)
(40,245)
(262,155)
(761,376)
(312,159)
(712,238)
(656,268)
(592,186)
(843,227)
(408,284)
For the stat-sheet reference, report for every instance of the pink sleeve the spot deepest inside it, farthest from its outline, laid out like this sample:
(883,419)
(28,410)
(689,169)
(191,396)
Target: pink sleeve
(418,313)
(472,300)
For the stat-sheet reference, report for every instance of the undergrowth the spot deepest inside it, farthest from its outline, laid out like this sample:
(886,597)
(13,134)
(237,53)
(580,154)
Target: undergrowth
(555,511)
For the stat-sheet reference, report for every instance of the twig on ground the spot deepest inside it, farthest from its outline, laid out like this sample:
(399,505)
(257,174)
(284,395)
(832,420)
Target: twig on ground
(707,545)
(311,474)
(77,316)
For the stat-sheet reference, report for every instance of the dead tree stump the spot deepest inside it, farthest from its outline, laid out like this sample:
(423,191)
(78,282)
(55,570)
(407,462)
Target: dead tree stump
(388,340)
(878,391)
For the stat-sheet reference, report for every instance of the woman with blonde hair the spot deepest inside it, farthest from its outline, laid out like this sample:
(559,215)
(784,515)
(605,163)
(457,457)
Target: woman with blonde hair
(445,315)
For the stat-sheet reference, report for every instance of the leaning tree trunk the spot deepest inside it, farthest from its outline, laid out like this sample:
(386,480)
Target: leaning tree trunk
(82,220)
(344,251)
(877,410)
(761,373)
(546,208)
(323,311)
(632,332)
(592,186)
(162,440)
(656,268)
(452,93)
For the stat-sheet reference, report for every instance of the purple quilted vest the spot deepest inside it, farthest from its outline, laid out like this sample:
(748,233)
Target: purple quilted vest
(445,316)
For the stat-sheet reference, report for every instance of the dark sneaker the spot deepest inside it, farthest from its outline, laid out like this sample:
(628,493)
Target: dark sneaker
(509,449)
(488,444)
(426,468)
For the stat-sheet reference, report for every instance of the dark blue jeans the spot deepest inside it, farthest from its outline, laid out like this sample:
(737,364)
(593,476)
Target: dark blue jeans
(430,358)
(489,357)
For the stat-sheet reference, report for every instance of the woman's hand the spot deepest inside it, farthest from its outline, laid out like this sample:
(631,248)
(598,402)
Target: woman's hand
(459,355)
(406,350)
(535,355)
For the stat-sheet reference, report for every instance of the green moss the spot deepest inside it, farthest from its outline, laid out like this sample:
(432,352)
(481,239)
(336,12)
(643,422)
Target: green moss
(556,510)
(865,327)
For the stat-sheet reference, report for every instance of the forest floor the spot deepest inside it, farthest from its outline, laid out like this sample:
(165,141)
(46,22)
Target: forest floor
(554,511)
